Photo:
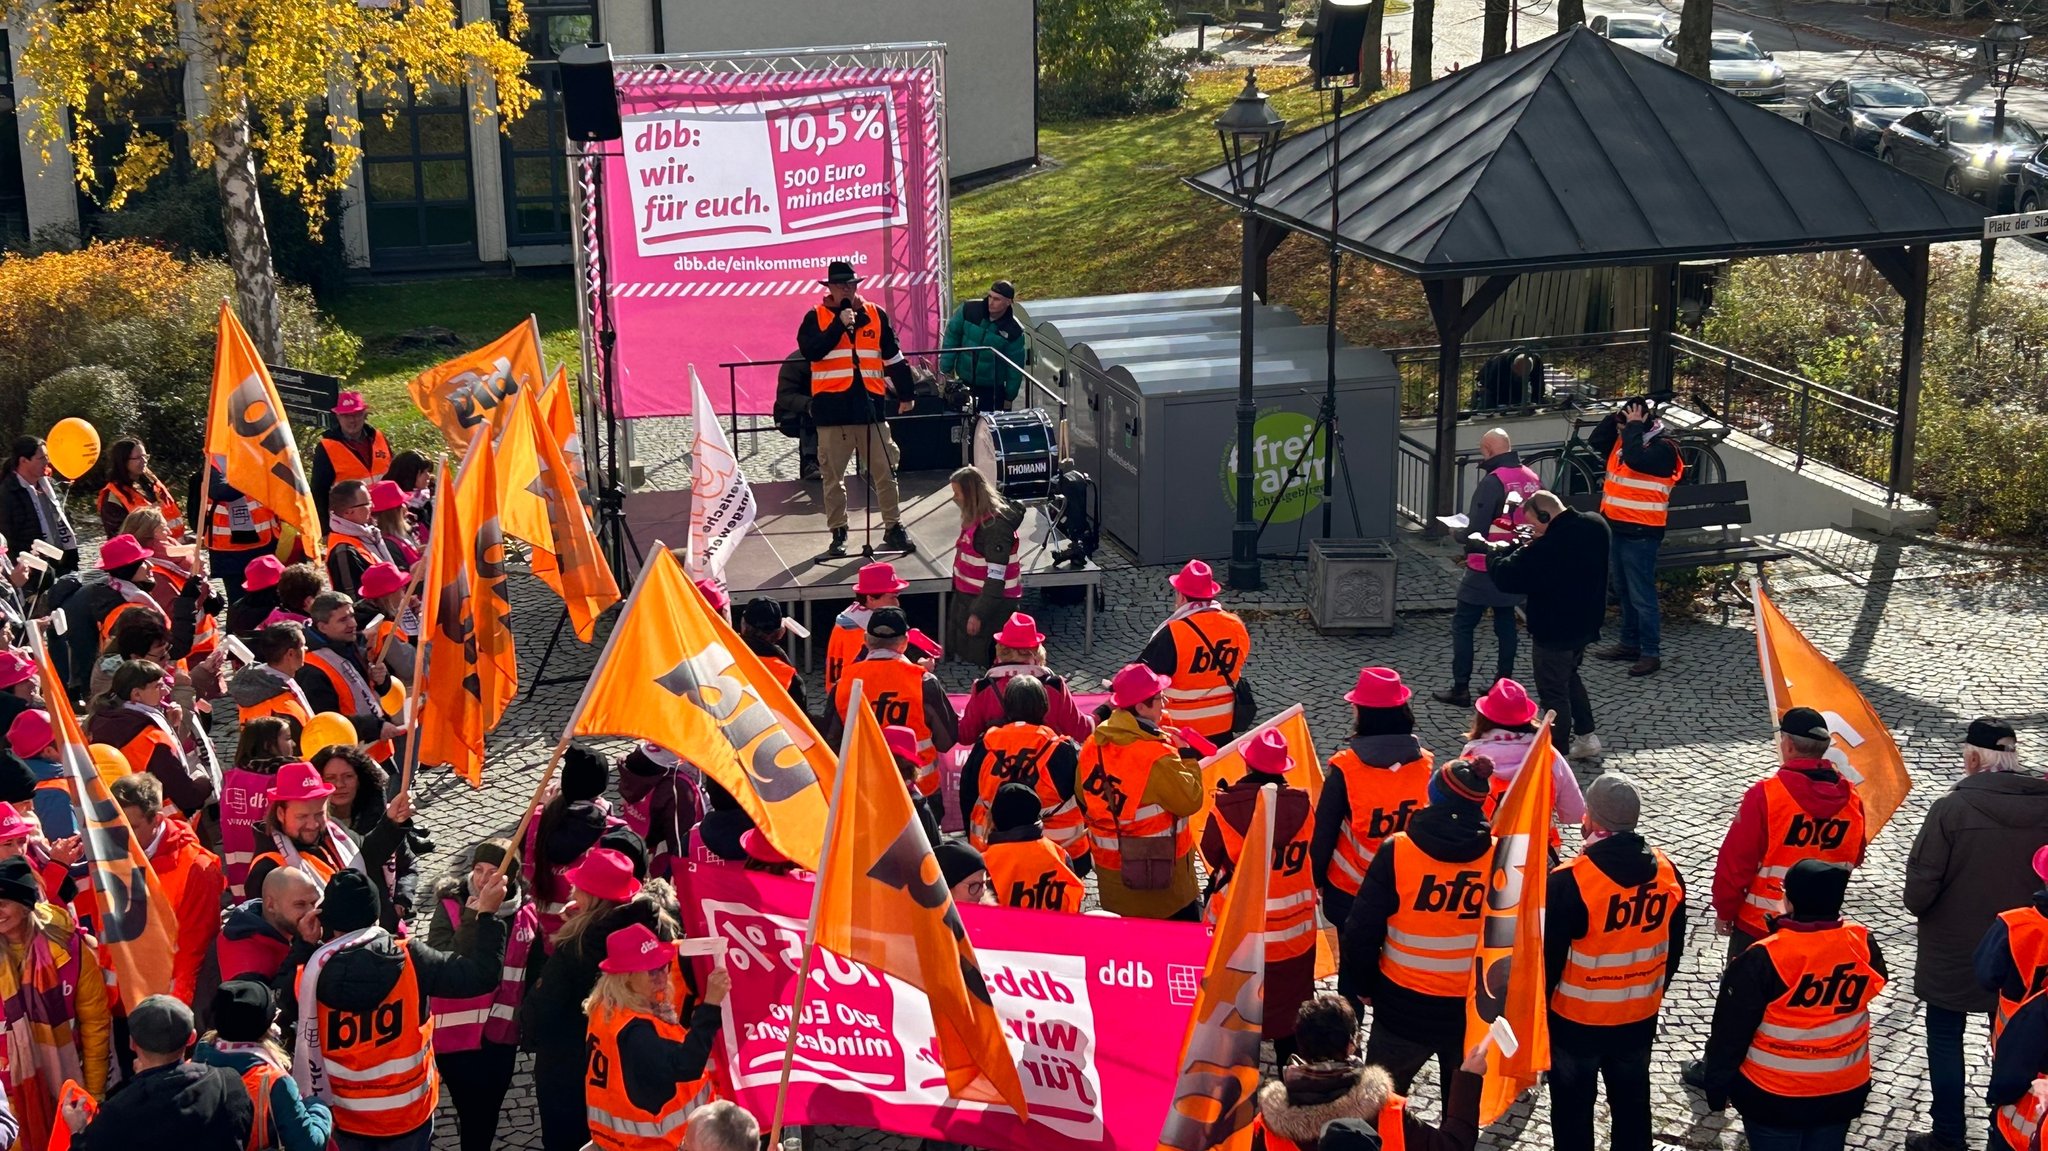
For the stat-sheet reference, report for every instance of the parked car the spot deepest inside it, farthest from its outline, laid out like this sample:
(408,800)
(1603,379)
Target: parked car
(2033,187)
(1952,146)
(1736,63)
(1856,111)
(1635,33)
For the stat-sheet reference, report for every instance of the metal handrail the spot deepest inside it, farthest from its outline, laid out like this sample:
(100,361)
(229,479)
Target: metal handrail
(733,380)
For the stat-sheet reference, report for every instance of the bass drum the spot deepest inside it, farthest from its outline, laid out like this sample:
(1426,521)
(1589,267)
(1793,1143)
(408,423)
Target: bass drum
(1015,451)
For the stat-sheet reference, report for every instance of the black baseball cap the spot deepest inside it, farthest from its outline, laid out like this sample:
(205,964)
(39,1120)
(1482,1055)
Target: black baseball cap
(1992,734)
(1804,721)
(888,623)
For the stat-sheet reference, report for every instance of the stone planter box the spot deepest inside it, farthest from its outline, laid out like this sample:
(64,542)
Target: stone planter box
(1351,586)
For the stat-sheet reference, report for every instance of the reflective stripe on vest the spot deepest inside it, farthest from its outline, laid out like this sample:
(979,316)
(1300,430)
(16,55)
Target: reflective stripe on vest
(859,352)
(384,1082)
(893,688)
(1520,480)
(1791,834)
(2020,1120)
(1815,1037)
(616,1123)
(132,500)
(1381,799)
(1013,753)
(466,1024)
(2026,941)
(1032,873)
(349,466)
(1113,777)
(1615,973)
(1209,651)
(244,515)
(1633,497)
(1290,890)
(970,567)
(842,648)
(1435,925)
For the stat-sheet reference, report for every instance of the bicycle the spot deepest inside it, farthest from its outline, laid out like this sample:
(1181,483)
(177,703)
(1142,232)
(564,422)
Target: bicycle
(1577,470)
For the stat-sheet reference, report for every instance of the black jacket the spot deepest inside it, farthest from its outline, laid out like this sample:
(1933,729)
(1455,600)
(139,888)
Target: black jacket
(1624,858)
(1656,457)
(183,1104)
(1448,833)
(854,405)
(655,1067)
(1747,988)
(96,598)
(1564,574)
(361,978)
(22,526)
(2022,1053)
(552,1023)
(319,689)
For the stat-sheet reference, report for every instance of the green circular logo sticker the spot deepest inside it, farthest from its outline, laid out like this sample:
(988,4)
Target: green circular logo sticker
(1279,438)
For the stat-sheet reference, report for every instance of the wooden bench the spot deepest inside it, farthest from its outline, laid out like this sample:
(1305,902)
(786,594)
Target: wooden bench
(1704,529)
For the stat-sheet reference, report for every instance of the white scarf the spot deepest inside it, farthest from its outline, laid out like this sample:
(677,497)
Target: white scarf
(291,685)
(357,685)
(1006,670)
(369,535)
(309,1070)
(345,854)
(157,717)
(1185,610)
(134,594)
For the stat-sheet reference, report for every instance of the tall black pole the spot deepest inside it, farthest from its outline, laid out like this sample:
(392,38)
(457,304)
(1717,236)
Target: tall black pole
(1984,252)
(1244,535)
(1330,384)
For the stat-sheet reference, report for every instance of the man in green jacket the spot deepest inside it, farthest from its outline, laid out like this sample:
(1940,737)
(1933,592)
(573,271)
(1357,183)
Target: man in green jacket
(990,322)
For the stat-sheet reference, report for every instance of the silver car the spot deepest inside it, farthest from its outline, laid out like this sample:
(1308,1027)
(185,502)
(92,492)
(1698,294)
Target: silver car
(1736,64)
(1635,33)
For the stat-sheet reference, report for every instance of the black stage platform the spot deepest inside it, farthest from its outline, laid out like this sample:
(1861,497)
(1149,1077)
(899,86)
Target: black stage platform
(780,557)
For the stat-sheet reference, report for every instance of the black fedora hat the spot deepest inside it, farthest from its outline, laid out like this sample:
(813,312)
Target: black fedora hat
(840,272)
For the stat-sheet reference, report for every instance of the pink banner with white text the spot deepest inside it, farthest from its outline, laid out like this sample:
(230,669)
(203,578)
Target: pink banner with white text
(1086,1000)
(732,192)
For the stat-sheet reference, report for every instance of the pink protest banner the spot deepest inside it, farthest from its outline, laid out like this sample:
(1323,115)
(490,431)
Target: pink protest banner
(1086,1000)
(731,193)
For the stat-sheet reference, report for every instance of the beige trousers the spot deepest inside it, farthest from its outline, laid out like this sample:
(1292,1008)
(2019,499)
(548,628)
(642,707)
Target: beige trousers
(836,446)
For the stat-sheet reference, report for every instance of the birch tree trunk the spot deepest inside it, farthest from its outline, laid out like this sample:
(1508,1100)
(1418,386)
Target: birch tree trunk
(1424,40)
(248,239)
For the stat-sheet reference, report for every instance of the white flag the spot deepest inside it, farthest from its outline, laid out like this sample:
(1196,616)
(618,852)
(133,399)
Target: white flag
(721,502)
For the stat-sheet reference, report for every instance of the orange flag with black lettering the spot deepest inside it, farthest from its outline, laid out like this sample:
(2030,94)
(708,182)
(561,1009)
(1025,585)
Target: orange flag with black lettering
(539,505)
(138,927)
(1507,971)
(882,901)
(460,394)
(448,705)
(249,434)
(483,559)
(1227,766)
(675,673)
(1216,1095)
(558,408)
(1796,674)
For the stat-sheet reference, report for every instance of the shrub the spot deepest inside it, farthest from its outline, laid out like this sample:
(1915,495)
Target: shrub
(183,213)
(95,393)
(1103,57)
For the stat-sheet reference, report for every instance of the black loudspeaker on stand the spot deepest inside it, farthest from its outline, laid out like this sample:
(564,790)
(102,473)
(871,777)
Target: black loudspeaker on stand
(590,95)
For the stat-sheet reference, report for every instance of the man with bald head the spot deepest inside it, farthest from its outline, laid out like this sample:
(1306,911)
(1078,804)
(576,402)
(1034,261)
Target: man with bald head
(257,936)
(1562,568)
(1496,516)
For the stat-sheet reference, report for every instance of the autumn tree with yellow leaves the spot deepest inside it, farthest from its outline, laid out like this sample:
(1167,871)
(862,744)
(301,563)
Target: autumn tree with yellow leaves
(268,69)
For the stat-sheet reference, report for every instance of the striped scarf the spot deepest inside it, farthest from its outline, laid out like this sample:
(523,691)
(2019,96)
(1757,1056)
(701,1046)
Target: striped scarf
(42,1019)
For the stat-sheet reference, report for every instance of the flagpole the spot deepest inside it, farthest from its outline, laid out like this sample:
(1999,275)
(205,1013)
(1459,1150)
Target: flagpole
(443,480)
(1763,648)
(803,972)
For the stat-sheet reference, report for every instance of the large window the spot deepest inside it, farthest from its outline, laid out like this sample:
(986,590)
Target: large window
(13,192)
(416,174)
(536,173)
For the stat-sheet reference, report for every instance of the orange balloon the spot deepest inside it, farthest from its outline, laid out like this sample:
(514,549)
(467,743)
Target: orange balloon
(112,764)
(328,729)
(74,447)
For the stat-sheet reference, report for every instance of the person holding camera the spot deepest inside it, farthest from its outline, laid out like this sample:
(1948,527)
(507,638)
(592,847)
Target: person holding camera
(1561,565)
(1635,498)
(857,370)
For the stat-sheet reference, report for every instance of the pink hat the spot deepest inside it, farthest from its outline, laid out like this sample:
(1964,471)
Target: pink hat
(716,595)
(604,873)
(279,615)
(31,733)
(878,579)
(121,551)
(15,667)
(902,741)
(350,404)
(1267,752)
(262,573)
(12,825)
(386,495)
(635,948)
(1506,704)
(1135,684)
(759,849)
(1196,581)
(380,579)
(1020,632)
(1378,687)
(298,783)
(2041,864)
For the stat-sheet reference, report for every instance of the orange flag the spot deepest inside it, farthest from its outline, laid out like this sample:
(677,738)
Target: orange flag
(539,505)
(558,408)
(674,672)
(482,549)
(137,925)
(881,901)
(1796,674)
(1216,1095)
(460,394)
(249,435)
(1507,970)
(1227,766)
(448,705)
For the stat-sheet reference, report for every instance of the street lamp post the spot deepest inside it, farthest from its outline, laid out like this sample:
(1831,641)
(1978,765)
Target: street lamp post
(2003,49)
(1248,130)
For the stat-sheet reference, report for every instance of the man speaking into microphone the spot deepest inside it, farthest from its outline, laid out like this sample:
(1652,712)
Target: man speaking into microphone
(857,370)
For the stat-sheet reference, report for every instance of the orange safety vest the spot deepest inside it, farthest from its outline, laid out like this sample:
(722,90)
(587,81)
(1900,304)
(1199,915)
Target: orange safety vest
(1435,925)
(860,350)
(380,1062)
(2026,939)
(244,515)
(842,650)
(2020,1121)
(1498,790)
(1209,650)
(1614,974)
(205,633)
(1815,1037)
(1382,799)
(1392,1131)
(1117,774)
(336,543)
(1290,891)
(113,619)
(349,466)
(1790,836)
(1032,873)
(1019,753)
(354,703)
(783,671)
(134,499)
(616,1124)
(258,1081)
(322,869)
(893,689)
(1632,497)
(283,704)
(137,751)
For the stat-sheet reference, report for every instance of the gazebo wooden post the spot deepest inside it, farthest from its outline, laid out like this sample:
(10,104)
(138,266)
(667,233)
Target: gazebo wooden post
(1906,270)
(1454,316)
(1663,322)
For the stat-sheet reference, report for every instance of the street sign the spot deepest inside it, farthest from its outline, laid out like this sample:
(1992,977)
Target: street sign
(309,396)
(2017,224)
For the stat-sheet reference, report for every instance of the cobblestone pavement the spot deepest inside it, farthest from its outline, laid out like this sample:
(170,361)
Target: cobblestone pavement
(1934,637)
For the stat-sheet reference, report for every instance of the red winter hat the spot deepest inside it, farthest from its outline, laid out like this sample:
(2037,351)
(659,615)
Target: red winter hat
(31,733)
(1378,687)
(262,573)
(635,948)
(604,873)
(1020,632)
(1507,704)
(122,550)
(1197,580)
(1135,684)
(15,667)
(380,579)
(386,495)
(1267,752)
(298,783)
(878,579)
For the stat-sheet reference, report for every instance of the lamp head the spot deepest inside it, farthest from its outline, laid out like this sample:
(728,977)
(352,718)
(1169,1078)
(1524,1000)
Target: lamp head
(2002,49)
(1248,130)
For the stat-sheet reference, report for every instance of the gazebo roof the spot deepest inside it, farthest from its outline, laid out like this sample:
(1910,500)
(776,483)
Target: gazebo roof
(1573,153)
